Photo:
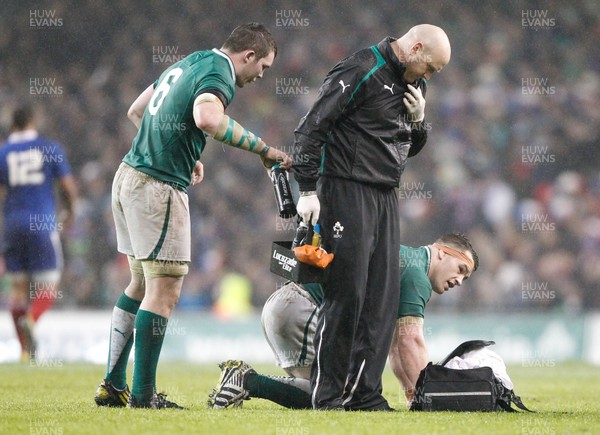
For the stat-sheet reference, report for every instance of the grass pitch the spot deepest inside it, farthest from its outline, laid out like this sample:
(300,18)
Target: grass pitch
(58,399)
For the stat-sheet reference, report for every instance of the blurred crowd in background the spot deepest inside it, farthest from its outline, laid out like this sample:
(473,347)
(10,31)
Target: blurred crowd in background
(512,160)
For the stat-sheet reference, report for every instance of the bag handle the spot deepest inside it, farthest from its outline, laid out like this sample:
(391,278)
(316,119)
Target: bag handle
(509,397)
(518,403)
(465,347)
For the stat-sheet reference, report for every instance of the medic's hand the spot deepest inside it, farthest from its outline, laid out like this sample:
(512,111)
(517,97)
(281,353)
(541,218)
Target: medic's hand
(309,207)
(415,104)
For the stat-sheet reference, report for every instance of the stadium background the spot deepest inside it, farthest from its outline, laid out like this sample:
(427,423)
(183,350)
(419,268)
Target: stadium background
(512,158)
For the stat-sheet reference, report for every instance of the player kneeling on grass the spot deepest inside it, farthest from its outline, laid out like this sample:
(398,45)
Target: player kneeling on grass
(289,321)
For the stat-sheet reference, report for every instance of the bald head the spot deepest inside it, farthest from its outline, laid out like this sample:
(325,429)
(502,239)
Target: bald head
(424,49)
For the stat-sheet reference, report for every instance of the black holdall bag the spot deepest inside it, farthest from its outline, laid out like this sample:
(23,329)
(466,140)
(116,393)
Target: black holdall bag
(441,388)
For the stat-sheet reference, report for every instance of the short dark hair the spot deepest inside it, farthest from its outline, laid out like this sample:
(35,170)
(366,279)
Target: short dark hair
(21,118)
(251,36)
(459,241)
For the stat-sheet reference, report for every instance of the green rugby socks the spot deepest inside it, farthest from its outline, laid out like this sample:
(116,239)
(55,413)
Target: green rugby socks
(150,332)
(290,392)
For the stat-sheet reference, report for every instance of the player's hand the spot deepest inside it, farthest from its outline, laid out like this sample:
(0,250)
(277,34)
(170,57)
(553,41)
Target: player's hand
(274,156)
(415,104)
(66,219)
(198,173)
(309,207)
(410,395)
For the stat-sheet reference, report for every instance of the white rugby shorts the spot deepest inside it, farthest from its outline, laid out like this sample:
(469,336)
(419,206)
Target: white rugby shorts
(289,320)
(152,218)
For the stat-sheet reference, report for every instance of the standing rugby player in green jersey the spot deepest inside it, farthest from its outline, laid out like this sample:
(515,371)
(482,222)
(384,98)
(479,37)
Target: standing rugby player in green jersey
(150,203)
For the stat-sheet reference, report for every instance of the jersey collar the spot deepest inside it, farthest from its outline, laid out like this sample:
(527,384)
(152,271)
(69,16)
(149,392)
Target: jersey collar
(220,53)
(386,50)
(428,252)
(23,136)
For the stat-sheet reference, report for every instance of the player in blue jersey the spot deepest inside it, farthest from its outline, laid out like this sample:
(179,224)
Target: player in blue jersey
(30,167)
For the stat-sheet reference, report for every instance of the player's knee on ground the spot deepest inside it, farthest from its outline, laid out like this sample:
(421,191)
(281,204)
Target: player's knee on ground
(299,372)
(164,268)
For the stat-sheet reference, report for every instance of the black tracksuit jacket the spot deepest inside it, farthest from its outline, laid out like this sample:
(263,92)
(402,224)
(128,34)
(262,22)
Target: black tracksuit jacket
(356,129)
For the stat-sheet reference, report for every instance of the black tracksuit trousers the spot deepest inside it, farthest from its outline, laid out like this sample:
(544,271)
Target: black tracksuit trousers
(360,225)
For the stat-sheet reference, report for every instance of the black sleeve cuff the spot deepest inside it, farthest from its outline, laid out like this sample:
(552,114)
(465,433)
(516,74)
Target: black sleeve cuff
(217,94)
(307,186)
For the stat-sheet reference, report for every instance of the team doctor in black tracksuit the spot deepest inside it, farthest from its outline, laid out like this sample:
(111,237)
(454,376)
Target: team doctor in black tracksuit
(368,118)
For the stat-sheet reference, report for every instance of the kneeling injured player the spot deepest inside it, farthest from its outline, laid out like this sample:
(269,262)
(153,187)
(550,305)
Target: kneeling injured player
(289,320)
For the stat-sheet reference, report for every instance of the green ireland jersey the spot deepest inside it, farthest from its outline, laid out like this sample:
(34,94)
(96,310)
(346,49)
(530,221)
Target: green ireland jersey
(168,142)
(316,291)
(415,287)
